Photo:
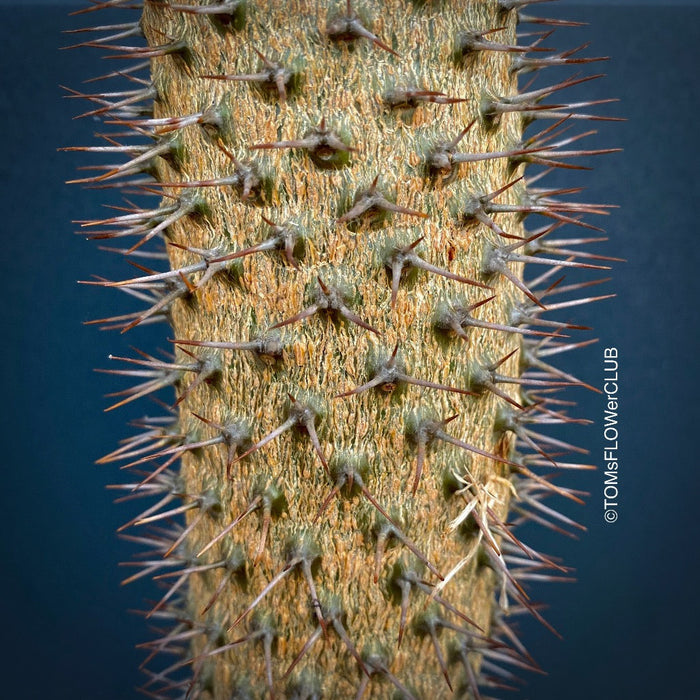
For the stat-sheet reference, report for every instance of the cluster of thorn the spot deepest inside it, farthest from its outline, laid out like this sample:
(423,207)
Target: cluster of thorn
(169,558)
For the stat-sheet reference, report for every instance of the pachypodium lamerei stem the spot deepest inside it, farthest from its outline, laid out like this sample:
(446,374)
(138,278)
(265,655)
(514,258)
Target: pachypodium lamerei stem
(342,190)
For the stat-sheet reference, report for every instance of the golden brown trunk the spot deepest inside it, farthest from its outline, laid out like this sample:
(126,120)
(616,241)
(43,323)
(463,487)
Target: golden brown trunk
(327,353)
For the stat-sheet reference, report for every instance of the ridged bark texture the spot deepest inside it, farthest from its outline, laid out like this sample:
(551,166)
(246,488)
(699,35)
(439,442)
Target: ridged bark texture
(323,561)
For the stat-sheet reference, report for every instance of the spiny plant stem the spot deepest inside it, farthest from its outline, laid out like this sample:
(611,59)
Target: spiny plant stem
(342,86)
(343,194)
(325,356)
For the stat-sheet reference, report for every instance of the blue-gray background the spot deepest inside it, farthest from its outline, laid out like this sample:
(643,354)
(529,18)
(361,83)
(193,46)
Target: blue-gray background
(630,622)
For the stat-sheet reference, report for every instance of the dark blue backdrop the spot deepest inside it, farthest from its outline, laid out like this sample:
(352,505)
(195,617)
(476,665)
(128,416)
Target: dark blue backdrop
(629,623)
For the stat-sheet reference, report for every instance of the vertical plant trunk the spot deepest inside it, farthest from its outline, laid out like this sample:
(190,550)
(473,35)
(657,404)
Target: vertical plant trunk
(348,345)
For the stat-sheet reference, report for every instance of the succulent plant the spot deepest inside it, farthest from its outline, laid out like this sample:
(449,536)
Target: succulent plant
(343,198)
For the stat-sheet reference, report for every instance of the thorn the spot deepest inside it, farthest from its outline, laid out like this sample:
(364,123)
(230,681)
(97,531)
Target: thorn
(411,97)
(349,28)
(388,373)
(301,416)
(273,78)
(396,259)
(374,206)
(333,300)
(325,148)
